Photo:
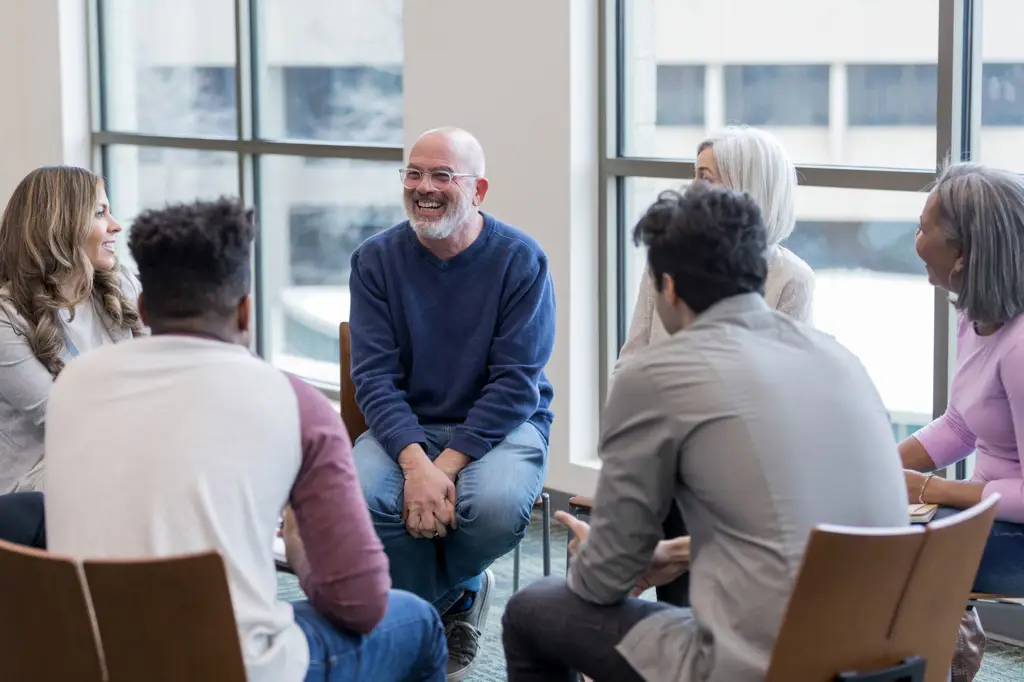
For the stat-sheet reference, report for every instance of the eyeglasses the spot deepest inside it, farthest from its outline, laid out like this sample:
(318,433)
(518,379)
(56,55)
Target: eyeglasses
(437,179)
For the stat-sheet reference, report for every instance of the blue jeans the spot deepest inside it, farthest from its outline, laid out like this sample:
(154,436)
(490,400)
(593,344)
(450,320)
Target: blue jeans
(407,646)
(1002,564)
(493,499)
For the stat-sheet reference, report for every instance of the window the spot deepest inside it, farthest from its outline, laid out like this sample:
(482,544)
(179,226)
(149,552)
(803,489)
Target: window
(1001,90)
(356,103)
(892,95)
(181,175)
(824,77)
(1002,95)
(882,246)
(175,126)
(680,95)
(313,217)
(768,95)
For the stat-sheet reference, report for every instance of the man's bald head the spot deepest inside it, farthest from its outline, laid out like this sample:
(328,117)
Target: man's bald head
(451,147)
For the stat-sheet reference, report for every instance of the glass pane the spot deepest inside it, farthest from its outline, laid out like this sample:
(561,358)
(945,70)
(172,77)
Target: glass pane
(140,178)
(309,230)
(1002,85)
(860,244)
(169,67)
(853,91)
(331,70)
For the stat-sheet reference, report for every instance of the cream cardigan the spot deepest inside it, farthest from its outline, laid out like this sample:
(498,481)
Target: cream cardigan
(789,289)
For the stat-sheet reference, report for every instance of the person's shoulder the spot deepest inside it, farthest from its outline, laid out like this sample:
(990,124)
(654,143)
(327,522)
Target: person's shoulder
(517,240)
(130,284)
(385,240)
(789,267)
(315,410)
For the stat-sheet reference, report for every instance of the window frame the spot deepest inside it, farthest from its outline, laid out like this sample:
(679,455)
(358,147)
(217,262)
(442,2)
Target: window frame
(248,144)
(957,133)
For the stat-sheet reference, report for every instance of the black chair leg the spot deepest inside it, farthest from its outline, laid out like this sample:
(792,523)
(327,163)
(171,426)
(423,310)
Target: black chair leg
(545,524)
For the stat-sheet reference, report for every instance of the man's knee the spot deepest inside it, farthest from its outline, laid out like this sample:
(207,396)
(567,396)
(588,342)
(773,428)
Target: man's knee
(379,476)
(525,607)
(421,624)
(498,517)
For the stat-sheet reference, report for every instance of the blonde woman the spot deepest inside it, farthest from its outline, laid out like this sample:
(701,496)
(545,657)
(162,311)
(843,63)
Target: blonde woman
(752,161)
(62,292)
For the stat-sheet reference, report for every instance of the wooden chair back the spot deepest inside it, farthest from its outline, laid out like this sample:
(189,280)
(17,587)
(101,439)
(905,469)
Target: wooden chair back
(166,620)
(351,415)
(46,629)
(867,599)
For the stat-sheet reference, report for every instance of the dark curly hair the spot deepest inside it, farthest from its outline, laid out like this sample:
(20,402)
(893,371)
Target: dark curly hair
(193,259)
(710,240)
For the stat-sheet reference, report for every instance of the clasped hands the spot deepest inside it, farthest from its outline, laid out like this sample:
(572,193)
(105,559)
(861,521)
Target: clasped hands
(670,560)
(429,501)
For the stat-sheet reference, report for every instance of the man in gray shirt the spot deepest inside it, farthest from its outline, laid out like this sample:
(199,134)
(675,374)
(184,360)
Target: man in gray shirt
(757,425)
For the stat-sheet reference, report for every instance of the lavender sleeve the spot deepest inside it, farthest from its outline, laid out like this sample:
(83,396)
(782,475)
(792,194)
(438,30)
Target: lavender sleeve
(947,439)
(1011,490)
(345,575)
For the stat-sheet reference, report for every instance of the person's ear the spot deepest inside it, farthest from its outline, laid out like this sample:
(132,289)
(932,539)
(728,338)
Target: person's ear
(668,289)
(482,185)
(245,313)
(140,304)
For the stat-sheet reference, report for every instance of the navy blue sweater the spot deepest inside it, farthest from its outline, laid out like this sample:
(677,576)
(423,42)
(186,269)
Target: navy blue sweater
(459,341)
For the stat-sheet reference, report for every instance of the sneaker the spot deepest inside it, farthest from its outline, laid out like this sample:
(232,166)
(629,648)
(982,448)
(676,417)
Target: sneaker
(463,630)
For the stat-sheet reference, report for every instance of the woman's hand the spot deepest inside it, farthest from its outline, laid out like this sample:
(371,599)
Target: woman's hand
(671,559)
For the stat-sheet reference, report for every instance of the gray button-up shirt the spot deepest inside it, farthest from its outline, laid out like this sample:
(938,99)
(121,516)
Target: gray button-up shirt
(760,427)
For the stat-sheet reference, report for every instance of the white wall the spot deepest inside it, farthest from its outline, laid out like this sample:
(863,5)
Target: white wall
(529,95)
(44,77)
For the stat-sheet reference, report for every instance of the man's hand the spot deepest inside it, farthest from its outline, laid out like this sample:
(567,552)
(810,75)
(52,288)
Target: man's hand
(451,462)
(294,550)
(671,559)
(429,495)
(580,530)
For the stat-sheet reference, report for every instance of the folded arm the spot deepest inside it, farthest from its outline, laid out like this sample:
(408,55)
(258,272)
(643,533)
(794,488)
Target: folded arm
(519,351)
(344,571)
(376,364)
(639,452)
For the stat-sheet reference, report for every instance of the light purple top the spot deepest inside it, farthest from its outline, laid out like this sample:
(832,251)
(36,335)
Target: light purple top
(986,412)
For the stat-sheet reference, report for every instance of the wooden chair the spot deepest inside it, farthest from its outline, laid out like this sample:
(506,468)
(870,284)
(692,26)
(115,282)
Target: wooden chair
(165,620)
(46,629)
(355,423)
(881,604)
(351,415)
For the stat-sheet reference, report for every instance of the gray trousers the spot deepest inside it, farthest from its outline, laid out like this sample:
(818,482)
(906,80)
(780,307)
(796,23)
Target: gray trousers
(550,634)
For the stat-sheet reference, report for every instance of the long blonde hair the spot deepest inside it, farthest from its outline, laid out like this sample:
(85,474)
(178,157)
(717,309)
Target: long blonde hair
(44,265)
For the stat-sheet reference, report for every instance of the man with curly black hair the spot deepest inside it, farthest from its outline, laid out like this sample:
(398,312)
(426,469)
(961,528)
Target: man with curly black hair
(187,442)
(757,425)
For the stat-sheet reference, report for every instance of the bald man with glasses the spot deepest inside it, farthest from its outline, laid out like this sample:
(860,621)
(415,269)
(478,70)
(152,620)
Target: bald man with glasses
(452,320)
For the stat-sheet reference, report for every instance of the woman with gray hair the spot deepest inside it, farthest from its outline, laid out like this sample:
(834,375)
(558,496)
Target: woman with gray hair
(971,240)
(752,161)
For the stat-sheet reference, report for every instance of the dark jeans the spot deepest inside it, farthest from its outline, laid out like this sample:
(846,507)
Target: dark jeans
(549,634)
(1002,564)
(407,646)
(21,519)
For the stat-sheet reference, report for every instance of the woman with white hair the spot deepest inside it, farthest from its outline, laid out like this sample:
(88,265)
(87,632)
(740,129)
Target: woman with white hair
(752,161)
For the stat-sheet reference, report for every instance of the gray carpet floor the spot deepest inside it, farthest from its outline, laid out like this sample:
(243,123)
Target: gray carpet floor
(1002,663)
